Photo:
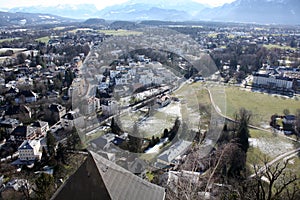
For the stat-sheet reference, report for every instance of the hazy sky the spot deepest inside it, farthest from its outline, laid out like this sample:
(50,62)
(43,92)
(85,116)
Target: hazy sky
(99,3)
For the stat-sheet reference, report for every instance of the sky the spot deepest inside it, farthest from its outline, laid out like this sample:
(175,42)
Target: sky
(99,3)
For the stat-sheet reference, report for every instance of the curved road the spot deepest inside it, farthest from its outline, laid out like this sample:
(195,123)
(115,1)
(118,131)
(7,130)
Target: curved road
(278,158)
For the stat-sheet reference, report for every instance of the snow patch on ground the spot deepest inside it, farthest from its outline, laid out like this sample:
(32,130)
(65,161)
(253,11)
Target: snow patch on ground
(271,146)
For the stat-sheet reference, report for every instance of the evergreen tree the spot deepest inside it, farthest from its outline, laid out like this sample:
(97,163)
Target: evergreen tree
(44,186)
(51,143)
(61,153)
(135,142)
(242,132)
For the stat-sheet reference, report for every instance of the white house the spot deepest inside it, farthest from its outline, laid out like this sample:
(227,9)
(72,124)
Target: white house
(270,81)
(41,127)
(29,150)
(164,100)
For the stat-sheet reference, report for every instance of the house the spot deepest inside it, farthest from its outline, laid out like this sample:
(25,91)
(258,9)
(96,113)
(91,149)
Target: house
(57,111)
(99,178)
(72,119)
(135,165)
(18,111)
(41,127)
(26,97)
(29,150)
(170,156)
(272,82)
(91,105)
(13,91)
(52,95)
(288,123)
(289,119)
(15,189)
(164,100)
(109,107)
(103,142)
(21,133)
(8,124)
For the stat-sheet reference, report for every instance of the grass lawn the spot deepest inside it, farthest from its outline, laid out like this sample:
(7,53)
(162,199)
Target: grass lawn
(262,106)
(120,32)
(256,156)
(268,147)
(276,46)
(43,39)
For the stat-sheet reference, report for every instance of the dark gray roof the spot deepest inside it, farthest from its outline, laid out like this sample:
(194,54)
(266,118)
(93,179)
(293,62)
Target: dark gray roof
(122,184)
(39,124)
(56,107)
(99,178)
(175,150)
(25,145)
(23,131)
(9,122)
(71,115)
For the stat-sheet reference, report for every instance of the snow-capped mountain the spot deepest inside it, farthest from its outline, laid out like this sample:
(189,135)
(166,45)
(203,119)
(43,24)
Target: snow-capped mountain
(8,19)
(256,11)
(76,11)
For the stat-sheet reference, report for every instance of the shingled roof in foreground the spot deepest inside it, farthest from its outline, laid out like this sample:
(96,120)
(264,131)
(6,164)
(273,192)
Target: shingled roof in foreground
(99,178)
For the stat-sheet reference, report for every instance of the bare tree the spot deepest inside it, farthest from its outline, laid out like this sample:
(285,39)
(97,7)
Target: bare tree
(275,182)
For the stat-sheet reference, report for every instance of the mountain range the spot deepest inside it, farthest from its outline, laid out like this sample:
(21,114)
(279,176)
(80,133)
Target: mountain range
(251,11)
(10,19)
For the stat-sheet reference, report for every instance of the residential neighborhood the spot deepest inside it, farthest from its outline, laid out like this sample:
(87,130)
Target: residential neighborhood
(149,110)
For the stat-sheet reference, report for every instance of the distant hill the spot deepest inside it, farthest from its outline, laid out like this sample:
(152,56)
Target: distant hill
(19,18)
(95,21)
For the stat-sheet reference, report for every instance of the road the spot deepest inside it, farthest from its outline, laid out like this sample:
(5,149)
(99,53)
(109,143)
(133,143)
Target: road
(278,158)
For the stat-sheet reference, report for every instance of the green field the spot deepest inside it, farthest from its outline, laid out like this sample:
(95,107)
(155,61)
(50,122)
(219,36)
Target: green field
(120,32)
(262,106)
(43,39)
(265,151)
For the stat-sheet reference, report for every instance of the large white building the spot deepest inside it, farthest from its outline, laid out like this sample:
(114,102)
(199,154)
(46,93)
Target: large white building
(29,150)
(273,82)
